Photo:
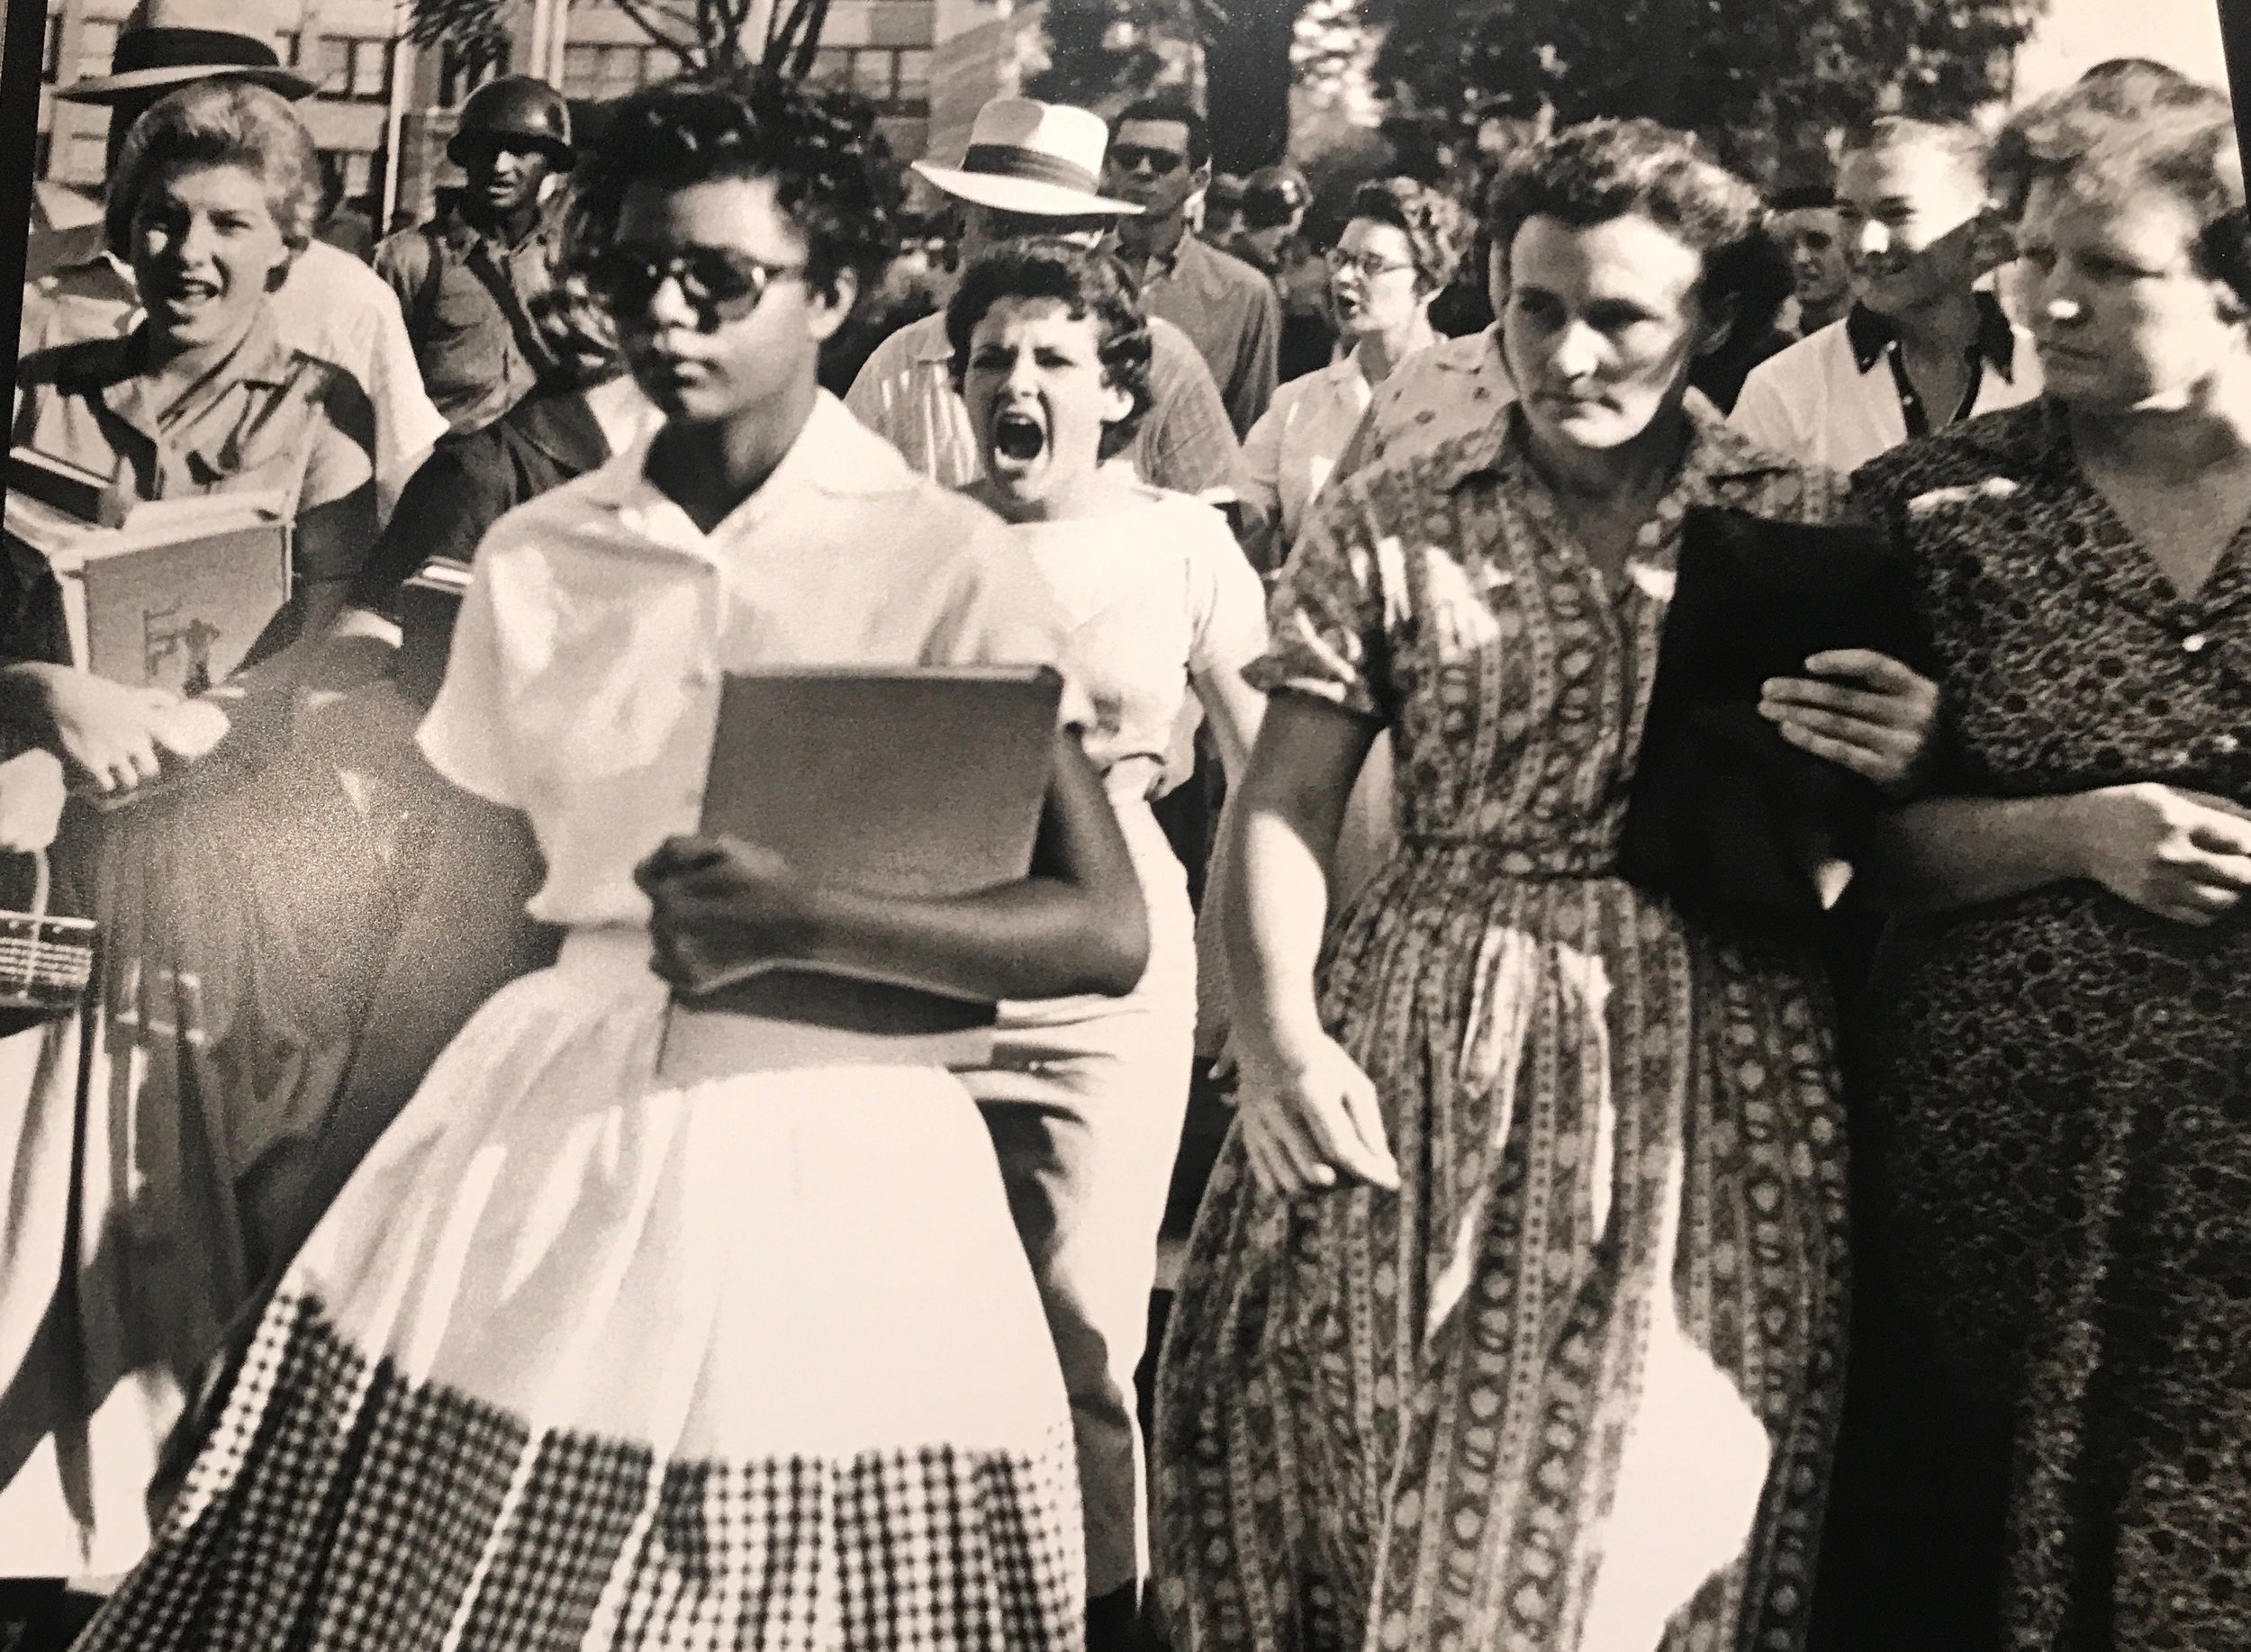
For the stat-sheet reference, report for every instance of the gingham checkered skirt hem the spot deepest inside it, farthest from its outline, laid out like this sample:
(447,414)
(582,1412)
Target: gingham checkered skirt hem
(341,1507)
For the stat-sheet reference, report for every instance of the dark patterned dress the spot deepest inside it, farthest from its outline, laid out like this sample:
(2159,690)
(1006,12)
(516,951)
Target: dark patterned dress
(2050,1435)
(1574,1386)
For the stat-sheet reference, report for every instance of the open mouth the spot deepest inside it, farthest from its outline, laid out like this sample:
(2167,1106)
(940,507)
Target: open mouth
(186,293)
(1018,438)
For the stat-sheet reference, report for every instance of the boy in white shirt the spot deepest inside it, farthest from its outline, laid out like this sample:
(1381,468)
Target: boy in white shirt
(1923,346)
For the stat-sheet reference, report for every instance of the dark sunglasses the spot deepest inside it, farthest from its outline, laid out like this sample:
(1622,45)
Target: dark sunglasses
(1132,157)
(719,286)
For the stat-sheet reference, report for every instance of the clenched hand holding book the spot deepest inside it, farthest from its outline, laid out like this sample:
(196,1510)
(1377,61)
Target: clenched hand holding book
(915,782)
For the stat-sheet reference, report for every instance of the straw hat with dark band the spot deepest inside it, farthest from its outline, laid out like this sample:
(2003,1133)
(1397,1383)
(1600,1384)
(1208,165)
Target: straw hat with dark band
(167,43)
(1040,159)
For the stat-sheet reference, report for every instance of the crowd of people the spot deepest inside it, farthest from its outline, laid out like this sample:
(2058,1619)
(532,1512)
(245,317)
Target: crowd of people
(1579,1273)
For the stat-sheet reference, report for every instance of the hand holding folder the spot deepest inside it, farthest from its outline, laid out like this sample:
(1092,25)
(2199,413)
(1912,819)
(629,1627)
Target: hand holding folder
(914,783)
(1738,829)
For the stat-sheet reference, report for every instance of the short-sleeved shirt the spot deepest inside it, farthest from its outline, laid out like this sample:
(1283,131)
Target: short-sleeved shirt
(1229,309)
(268,417)
(1834,398)
(1454,388)
(905,393)
(583,684)
(1150,599)
(1291,451)
(331,306)
(467,297)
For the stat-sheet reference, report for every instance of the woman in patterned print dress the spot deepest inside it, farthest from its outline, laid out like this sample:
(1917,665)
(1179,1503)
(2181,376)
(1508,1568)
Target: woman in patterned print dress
(581,1359)
(1514,1314)
(2048,1443)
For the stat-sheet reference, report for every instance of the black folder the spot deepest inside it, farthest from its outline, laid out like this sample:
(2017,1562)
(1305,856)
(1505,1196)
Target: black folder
(1725,818)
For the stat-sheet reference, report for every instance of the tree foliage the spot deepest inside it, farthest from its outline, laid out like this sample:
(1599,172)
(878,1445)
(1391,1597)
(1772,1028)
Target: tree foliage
(1766,80)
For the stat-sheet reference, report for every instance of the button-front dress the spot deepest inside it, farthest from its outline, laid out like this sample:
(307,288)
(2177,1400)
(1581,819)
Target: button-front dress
(2049,1442)
(1573,1386)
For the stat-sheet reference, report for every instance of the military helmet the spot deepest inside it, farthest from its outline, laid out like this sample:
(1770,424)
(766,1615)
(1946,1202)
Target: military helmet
(514,110)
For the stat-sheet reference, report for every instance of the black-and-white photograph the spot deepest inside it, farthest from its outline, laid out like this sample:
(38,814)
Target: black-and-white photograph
(1125,826)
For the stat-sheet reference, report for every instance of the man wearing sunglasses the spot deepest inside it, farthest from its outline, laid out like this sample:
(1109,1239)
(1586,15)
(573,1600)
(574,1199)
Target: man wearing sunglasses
(1160,158)
(1033,168)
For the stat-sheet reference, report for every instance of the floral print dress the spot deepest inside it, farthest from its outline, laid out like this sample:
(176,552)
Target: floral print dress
(1574,1386)
(2048,1444)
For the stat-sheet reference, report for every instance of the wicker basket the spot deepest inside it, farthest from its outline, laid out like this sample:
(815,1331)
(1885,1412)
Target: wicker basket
(45,963)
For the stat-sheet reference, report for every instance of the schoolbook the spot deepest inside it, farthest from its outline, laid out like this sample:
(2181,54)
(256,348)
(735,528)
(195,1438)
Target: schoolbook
(916,782)
(174,593)
(429,603)
(1738,829)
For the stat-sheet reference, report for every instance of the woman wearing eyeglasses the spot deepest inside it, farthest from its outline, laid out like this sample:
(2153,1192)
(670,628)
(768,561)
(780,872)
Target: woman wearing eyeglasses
(578,1358)
(1399,249)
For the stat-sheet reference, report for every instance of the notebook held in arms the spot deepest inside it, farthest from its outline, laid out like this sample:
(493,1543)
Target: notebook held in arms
(924,783)
(162,594)
(1733,824)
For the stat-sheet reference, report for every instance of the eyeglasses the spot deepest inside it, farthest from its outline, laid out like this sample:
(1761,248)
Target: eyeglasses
(1367,265)
(1133,157)
(718,285)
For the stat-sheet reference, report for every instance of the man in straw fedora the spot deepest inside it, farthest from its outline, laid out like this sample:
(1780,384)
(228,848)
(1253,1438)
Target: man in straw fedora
(1032,169)
(329,305)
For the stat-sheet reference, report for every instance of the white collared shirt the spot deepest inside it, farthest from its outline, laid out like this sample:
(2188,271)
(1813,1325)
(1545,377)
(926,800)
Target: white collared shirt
(583,684)
(1831,400)
(1296,443)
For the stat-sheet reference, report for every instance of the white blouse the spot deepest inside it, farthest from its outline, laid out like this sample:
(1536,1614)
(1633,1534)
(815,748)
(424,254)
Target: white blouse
(583,684)
(1296,443)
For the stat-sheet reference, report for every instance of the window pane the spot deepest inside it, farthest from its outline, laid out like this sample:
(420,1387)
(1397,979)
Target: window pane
(914,76)
(336,67)
(871,75)
(832,66)
(359,172)
(620,70)
(50,53)
(371,69)
(582,70)
(98,39)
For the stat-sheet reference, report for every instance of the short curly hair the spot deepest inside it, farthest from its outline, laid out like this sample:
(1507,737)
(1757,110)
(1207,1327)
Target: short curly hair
(1599,170)
(832,170)
(219,123)
(2115,137)
(1437,231)
(1086,284)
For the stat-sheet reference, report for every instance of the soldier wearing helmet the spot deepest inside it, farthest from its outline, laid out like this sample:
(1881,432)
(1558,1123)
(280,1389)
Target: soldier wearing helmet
(467,280)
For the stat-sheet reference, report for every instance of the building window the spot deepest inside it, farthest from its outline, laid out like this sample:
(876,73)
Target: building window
(357,169)
(43,151)
(289,46)
(457,77)
(896,81)
(51,54)
(97,43)
(596,71)
(914,78)
(359,70)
